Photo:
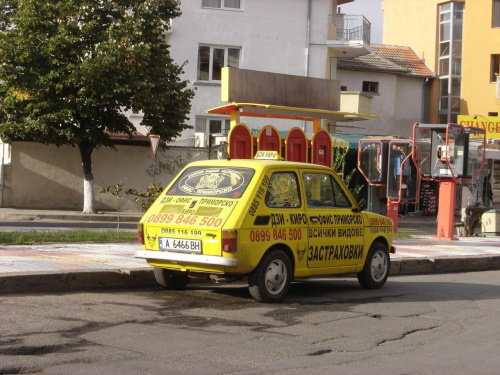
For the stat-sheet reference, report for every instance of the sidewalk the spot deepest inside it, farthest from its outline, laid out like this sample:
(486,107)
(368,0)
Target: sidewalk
(84,266)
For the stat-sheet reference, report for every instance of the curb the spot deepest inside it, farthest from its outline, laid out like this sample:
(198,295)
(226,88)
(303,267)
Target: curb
(90,217)
(422,266)
(140,278)
(105,216)
(77,281)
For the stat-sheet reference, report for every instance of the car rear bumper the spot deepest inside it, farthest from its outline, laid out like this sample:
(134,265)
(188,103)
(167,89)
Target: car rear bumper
(187,258)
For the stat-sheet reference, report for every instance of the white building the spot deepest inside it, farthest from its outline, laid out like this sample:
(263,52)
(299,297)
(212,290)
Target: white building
(296,37)
(399,83)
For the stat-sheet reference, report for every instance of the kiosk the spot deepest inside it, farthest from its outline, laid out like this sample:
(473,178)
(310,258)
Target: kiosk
(296,145)
(241,145)
(269,139)
(448,154)
(321,148)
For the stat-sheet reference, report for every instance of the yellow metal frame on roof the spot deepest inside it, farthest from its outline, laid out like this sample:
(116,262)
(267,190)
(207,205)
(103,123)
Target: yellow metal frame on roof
(283,112)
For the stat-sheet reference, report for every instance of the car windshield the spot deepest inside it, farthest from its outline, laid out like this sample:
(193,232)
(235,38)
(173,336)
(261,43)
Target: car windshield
(213,182)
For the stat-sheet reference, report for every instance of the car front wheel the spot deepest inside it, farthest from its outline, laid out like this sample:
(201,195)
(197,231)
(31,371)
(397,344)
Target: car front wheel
(376,268)
(270,281)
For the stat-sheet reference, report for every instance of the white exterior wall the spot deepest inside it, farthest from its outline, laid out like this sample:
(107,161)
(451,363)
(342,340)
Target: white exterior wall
(50,177)
(272,36)
(408,108)
(398,104)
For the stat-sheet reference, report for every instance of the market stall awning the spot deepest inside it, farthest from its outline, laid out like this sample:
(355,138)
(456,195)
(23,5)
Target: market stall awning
(282,112)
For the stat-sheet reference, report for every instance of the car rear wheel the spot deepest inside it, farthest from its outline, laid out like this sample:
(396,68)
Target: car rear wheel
(270,281)
(376,268)
(171,279)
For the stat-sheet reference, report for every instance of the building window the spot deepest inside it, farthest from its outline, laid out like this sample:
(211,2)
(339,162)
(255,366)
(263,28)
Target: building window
(495,67)
(370,86)
(212,59)
(343,88)
(212,125)
(450,60)
(221,4)
(210,131)
(495,21)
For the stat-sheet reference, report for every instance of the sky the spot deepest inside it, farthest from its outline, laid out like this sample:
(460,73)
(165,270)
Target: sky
(372,11)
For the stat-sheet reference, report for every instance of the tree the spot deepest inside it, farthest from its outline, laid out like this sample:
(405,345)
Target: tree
(70,68)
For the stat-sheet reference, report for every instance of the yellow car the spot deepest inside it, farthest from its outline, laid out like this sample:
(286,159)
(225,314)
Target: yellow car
(271,221)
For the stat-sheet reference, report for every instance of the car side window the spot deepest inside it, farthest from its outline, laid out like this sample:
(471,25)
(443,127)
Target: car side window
(322,190)
(283,191)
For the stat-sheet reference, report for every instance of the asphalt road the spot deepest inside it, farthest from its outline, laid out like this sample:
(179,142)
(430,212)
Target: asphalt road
(434,324)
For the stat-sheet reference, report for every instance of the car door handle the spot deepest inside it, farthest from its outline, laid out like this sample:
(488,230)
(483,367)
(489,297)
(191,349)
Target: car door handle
(314,219)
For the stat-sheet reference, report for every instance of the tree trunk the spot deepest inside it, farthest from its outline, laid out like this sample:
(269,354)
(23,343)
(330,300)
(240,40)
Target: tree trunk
(88,177)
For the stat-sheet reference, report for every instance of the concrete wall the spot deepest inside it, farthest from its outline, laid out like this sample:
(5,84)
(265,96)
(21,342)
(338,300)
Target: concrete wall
(50,177)
(398,104)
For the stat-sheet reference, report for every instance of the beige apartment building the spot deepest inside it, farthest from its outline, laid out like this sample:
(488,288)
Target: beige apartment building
(459,41)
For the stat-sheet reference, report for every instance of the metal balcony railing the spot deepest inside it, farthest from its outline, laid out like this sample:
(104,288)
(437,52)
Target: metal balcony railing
(352,28)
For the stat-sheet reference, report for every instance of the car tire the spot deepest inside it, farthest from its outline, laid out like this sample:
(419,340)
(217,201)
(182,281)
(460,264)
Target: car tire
(271,280)
(174,280)
(376,268)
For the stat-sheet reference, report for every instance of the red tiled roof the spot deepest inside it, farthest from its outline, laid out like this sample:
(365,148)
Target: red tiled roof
(388,59)
(122,138)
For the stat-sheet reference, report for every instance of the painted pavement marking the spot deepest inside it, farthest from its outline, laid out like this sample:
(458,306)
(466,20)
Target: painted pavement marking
(53,257)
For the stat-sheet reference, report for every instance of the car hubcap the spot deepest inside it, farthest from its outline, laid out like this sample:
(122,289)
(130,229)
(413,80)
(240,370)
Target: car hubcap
(379,266)
(276,277)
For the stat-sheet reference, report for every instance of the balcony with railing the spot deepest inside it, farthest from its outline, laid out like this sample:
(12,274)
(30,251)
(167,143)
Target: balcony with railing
(349,35)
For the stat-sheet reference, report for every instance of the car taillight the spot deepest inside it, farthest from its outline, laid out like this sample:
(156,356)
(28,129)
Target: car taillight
(140,233)
(229,240)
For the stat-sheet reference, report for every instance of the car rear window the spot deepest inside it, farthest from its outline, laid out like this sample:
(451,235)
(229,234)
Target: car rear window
(212,182)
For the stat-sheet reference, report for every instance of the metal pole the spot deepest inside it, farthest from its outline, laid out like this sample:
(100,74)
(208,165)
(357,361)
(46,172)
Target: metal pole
(154,170)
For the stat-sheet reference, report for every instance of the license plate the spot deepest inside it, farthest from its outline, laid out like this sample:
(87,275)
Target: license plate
(180,245)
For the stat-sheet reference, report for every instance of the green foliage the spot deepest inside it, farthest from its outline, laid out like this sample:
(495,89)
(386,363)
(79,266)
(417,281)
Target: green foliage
(69,68)
(115,192)
(339,164)
(146,198)
(68,236)
(167,163)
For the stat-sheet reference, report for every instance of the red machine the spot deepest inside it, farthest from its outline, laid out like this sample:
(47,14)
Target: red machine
(448,154)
